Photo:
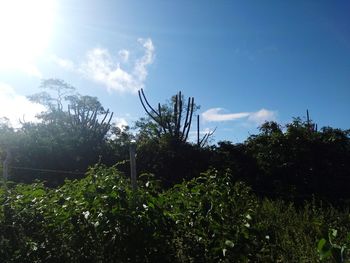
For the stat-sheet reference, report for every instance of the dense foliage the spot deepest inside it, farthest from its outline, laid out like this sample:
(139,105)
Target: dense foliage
(280,196)
(301,161)
(207,219)
(294,162)
(73,133)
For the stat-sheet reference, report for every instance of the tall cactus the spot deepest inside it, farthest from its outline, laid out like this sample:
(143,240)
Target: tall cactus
(86,114)
(310,125)
(177,122)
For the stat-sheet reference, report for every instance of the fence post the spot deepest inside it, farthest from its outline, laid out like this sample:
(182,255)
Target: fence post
(132,150)
(5,165)
(198,142)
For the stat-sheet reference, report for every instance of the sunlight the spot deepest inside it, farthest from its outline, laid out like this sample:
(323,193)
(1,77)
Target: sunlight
(25,29)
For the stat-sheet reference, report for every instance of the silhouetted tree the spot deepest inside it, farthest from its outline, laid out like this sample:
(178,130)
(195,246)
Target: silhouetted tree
(72,134)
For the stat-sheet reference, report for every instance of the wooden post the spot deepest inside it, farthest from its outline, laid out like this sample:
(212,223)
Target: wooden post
(5,165)
(132,150)
(198,142)
(5,168)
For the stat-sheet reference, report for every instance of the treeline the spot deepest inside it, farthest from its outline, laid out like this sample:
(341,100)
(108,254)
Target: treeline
(294,162)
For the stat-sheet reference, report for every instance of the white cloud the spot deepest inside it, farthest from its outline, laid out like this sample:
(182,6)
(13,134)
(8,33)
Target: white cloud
(121,123)
(25,67)
(207,131)
(262,116)
(16,107)
(140,69)
(124,55)
(100,66)
(258,117)
(193,134)
(63,63)
(215,115)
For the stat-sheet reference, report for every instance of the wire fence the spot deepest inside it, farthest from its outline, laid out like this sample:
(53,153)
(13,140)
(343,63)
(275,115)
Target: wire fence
(256,191)
(45,170)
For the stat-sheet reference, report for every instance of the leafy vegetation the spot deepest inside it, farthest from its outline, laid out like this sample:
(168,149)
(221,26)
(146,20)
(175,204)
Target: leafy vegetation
(207,219)
(280,196)
(73,134)
(302,162)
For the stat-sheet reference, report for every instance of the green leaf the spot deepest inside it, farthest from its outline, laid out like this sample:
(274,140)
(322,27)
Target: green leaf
(321,244)
(229,243)
(323,249)
(334,232)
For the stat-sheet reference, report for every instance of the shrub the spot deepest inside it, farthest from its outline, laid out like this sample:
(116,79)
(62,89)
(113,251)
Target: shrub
(208,219)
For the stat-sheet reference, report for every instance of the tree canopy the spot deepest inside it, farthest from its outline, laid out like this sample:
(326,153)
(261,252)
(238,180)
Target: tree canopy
(71,135)
(295,161)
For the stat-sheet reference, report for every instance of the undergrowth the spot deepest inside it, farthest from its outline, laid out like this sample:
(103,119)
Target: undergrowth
(208,219)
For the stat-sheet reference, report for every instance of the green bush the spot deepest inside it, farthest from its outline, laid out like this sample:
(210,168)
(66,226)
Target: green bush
(208,219)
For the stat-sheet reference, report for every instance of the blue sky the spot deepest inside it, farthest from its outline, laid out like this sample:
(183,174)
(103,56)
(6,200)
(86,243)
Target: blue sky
(243,61)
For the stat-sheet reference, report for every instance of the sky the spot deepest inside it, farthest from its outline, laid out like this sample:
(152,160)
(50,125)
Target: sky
(244,62)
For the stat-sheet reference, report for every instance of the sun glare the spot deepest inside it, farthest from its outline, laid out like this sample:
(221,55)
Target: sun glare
(25,29)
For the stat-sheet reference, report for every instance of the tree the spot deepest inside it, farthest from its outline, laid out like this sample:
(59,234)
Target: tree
(6,141)
(53,97)
(88,118)
(72,134)
(300,160)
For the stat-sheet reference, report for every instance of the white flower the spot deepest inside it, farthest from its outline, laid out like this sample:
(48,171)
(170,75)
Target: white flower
(86,214)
